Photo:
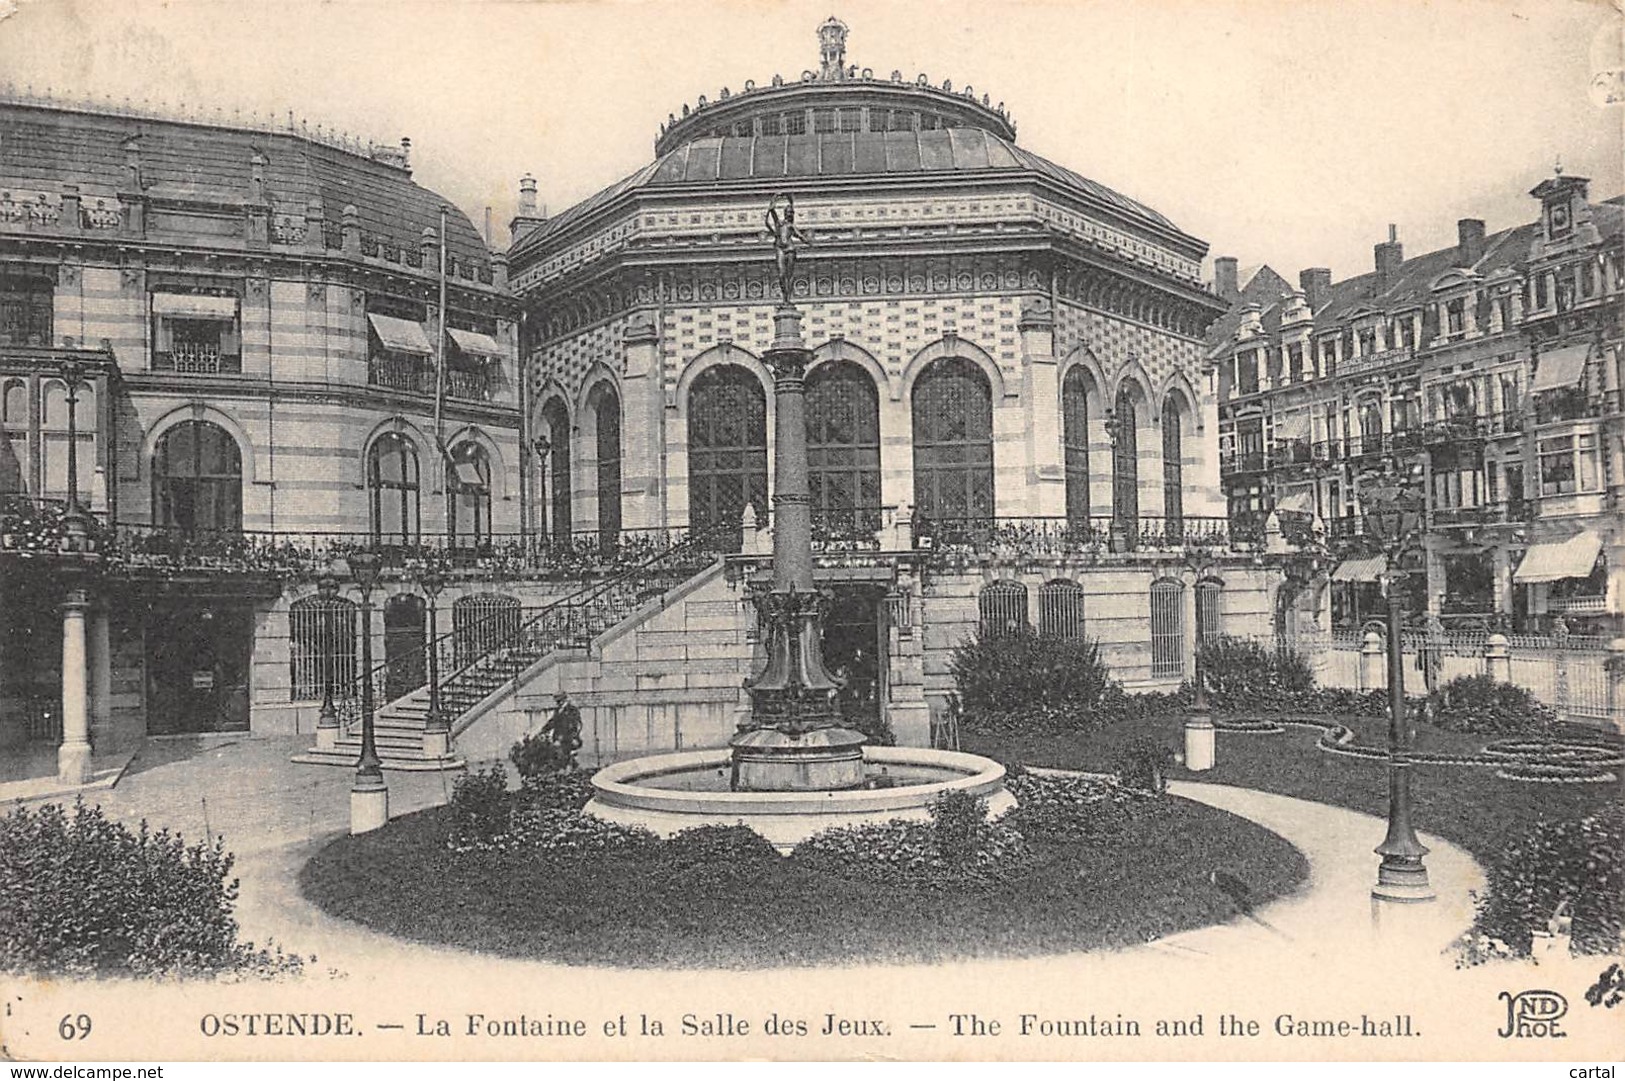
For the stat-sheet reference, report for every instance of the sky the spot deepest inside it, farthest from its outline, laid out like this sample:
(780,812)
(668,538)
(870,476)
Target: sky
(1291,132)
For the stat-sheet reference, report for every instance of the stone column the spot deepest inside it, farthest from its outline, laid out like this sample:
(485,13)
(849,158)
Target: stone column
(1497,658)
(643,427)
(1042,393)
(73,756)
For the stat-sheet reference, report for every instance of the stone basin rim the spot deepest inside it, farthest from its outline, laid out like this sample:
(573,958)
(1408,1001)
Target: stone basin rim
(617,784)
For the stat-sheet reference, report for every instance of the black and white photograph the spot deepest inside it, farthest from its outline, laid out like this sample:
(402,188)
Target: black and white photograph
(630,530)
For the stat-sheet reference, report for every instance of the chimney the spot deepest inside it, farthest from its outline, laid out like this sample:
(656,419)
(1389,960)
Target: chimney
(529,214)
(1469,241)
(1316,282)
(1224,278)
(1388,256)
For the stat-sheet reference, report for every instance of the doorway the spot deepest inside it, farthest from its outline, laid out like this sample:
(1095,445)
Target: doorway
(197,667)
(403,645)
(855,653)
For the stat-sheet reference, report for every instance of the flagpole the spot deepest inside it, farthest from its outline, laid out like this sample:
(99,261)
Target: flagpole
(440,390)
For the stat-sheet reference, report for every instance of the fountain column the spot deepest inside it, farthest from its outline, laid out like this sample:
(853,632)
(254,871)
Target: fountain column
(793,740)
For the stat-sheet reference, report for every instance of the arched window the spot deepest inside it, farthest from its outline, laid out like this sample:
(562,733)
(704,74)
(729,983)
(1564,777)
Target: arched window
(727,447)
(843,450)
(16,468)
(1075,444)
(54,438)
(953,445)
(1371,425)
(606,409)
(197,479)
(1126,465)
(1060,609)
(1209,610)
(468,491)
(1167,629)
(392,483)
(1173,470)
(481,623)
(557,422)
(322,648)
(1002,610)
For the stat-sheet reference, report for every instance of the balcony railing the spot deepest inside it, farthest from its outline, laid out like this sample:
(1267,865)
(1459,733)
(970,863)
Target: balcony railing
(1043,536)
(401,372)
(470,384)
(201,359)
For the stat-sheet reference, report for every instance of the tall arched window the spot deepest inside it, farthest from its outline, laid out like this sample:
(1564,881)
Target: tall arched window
(843,449)
(1209,609)
(197,479)
(606,410)
(1126,464)
(1371,425)
(1001,610)
(1167,629)
(1173,470)
(16,463)
(482,622)
(1060,609)
(953,444)
(557,421)
(1075,444)
(468,493)
(392,483)
(322,648)
(54,438)
(727,447)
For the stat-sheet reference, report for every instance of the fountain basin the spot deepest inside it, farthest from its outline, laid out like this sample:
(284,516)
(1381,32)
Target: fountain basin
(672,792)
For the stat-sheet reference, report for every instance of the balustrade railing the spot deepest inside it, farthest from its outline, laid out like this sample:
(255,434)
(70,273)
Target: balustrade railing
(1066,536)
(400,372)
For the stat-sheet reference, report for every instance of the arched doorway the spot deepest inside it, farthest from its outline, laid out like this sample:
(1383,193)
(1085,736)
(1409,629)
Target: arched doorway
(1173,469)
(562,520)
(481,623)
(1126,466)
(1076,391)
(606,411)
(468,490)
(843,450)
(404,616)
(953,447)
(197,479)
(727,448)
(392,481)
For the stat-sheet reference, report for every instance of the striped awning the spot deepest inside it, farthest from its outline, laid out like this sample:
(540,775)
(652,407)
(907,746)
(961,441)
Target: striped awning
(1556,560)
(1363,569)
(1560,368)
(1292,427)
(194,306)
(1297,503)
(401,335)
(472,341)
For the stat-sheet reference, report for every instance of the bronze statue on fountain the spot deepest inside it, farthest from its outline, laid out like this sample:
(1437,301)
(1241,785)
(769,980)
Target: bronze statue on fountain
(794,740)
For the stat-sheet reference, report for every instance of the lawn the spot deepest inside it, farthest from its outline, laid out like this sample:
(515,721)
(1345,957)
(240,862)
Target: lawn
(1468,805)
(657,909)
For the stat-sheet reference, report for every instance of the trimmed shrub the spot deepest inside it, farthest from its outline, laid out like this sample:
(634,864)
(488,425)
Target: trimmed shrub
(1480,705)
(1089,808)
(1142,764)
(949,852)
(566,790)
(480,807)
(736,847)
(1025,672)
(571,833)
(538,755)
(1243,675)
(959,826)
(82,895)
(1573,865)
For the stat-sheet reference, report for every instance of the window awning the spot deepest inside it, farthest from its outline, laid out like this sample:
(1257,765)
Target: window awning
(472,341)
(1560,368)
(1291,427)
(468,474)
(1364,569)
(192,306)
(401,335)
(1297,503)
(1554,560)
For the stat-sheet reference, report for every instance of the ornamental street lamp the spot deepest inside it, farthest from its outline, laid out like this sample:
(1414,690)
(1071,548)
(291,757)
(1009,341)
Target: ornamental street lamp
(1394,516)
(1200,737)
(437,731)
(327,720)
(75,527)
(369,798)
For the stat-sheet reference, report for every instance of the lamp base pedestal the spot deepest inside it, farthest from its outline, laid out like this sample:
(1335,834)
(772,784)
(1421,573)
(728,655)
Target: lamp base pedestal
(327,737)
(369,806)
(73,763)
(1200,743)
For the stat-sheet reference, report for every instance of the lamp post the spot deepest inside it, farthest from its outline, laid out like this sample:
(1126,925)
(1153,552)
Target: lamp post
(1394,513)
(437,731)
(327,720)
(1200,736)
(75,528)
(369,798)
(543,446)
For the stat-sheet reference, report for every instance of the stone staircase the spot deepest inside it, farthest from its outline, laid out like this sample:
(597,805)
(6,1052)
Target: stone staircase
(469,686)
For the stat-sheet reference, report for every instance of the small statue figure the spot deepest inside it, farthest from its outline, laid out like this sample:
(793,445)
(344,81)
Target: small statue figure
(782,228)
(564,727)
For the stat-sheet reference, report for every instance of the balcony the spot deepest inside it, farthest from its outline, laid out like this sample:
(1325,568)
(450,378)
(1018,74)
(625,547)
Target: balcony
(1247,461)
(470,384)
(399,371)
(1039,536)
(198,358)
(1455,430)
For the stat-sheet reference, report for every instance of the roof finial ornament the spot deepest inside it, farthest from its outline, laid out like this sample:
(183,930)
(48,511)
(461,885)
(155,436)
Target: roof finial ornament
(1557,166)
(832,49)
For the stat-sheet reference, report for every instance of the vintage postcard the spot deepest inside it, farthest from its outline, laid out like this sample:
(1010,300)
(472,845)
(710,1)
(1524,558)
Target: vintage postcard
(776,531)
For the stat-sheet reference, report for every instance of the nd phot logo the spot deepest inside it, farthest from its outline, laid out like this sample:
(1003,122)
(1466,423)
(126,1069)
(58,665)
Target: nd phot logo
(1533,1014)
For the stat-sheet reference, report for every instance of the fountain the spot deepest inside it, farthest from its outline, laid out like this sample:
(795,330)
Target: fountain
(792,770)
